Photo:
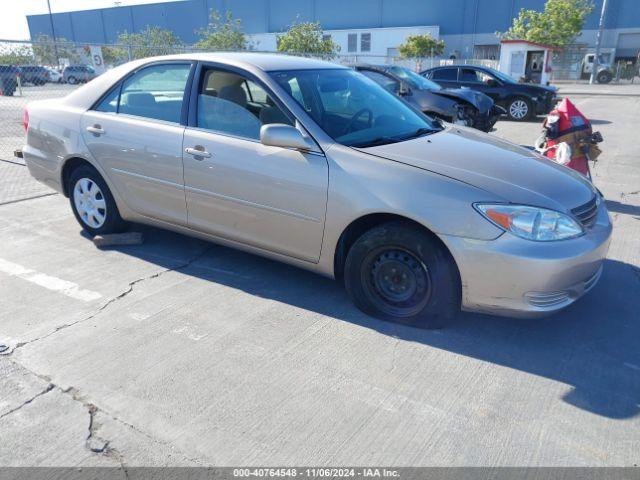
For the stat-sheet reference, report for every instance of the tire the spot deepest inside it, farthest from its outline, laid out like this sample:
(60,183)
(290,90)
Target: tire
(604,77)
(519,109)
(399,273)
(72,80)
(95,210)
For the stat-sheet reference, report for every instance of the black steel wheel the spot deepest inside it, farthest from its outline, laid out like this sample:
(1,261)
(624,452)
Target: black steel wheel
(399,272)
(397,281)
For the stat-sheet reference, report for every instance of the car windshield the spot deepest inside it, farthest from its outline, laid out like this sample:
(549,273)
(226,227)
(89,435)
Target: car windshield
(413,79)
(353,109)
(502,76)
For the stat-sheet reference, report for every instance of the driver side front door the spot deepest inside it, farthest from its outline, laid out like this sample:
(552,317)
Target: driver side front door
(237,188)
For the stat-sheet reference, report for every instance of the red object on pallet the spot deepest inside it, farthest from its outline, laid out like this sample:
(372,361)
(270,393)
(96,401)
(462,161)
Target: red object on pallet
(571,127)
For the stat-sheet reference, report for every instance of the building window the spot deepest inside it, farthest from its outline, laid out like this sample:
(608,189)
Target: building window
(365,42)
(352,42)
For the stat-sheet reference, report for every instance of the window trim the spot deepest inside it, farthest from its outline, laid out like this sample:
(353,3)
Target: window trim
(119,83)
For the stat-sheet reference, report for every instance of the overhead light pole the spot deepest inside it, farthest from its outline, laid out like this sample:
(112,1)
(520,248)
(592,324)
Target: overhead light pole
(596,58)
(53,34)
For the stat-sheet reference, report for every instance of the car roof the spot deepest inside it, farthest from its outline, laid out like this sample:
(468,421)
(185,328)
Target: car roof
(263,61)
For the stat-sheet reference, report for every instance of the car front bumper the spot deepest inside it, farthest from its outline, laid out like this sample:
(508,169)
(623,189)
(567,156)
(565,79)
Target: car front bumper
(513,277)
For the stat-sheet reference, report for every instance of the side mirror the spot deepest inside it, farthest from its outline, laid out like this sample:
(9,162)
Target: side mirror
(285,136)
(492,82)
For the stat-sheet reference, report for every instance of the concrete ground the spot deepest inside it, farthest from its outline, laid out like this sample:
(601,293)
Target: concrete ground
(180,352)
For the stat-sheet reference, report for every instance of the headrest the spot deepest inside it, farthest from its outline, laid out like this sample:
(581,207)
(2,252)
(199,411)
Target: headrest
(233,93)
(141,99)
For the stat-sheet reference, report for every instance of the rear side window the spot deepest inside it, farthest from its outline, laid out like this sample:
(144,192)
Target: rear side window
(110,101)
(445,74)
(153,92)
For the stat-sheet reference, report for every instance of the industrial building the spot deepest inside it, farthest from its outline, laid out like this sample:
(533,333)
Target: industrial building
(360,27)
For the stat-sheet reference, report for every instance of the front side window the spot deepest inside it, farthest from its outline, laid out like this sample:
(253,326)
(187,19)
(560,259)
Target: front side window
(353,109)
(413,79)
(229,103)
(470,75)
(386,82)
(450,74)
(155,92)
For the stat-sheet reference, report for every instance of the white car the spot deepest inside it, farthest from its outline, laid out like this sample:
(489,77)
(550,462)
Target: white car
(54,75)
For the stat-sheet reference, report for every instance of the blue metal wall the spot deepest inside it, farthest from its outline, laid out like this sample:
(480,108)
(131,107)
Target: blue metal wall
(258,16)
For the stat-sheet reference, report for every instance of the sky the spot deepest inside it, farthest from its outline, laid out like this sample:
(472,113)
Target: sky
(13,21)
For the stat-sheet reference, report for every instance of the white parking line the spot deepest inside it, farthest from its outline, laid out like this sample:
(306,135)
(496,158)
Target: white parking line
(54,284)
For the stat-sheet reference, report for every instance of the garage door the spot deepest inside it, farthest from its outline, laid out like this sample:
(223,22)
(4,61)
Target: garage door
(628,45)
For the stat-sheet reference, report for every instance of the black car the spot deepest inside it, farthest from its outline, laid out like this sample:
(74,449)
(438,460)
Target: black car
(465,107)
(521,100)
(9,79)
(34,74)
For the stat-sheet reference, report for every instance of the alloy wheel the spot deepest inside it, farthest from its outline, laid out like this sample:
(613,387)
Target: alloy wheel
(518,109)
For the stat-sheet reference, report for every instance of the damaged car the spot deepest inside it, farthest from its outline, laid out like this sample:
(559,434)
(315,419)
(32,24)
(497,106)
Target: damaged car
(462,107)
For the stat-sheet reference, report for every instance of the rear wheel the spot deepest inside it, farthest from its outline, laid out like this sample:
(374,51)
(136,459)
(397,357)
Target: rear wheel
(72,80)
(519,109)
(604,76)
(92,202)
(398,272)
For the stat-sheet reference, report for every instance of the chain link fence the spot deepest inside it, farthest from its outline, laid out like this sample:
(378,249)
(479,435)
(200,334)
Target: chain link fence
(46,69)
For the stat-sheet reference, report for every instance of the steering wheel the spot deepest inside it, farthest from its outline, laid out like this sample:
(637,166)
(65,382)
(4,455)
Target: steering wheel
(355,117)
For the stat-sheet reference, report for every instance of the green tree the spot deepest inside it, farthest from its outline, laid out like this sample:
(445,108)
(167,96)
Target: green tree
(45,50)
(417,47)
(558,25)
(222,34)
(150,42)
(11,54)
(306,38)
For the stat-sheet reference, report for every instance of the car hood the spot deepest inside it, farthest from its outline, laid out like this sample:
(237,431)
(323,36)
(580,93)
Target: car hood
(508,171)
(478,99)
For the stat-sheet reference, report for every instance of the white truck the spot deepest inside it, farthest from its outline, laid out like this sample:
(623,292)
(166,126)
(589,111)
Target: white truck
(605,68)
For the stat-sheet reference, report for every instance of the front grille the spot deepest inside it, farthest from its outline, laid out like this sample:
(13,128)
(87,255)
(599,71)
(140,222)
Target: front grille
(587,213)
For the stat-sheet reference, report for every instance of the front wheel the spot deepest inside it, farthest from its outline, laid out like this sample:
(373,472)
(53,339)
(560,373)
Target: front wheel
(92,202)
(519,109)
(398,272)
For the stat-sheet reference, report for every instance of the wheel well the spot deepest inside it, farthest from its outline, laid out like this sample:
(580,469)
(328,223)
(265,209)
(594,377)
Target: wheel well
(363,224)
(69,166)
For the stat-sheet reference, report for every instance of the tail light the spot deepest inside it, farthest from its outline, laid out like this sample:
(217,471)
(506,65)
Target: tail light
(26,120)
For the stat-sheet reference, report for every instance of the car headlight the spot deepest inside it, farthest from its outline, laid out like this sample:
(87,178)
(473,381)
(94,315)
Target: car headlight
(531,223)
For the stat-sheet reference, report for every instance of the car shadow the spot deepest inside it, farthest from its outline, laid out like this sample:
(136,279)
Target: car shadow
(592,346)
(625,208)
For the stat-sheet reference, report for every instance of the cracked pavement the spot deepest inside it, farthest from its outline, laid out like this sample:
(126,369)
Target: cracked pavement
(195,354)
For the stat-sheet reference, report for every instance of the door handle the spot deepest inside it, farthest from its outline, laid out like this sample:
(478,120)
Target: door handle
(197,151)
(95,129)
